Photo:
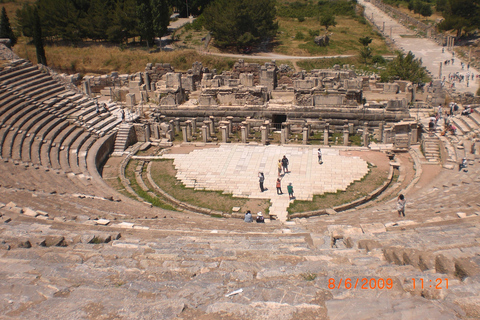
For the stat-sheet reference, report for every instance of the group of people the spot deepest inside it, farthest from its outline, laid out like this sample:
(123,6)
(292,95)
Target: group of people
(282,168)
(249,217)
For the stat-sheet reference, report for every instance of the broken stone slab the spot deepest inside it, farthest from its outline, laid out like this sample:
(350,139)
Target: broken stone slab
(125,225)
(59,219)
(126,245)
(57,241)
(11,204)
(461,215)
(29,212)
(330,212)
(102,222)
(373,227)
(404,223)
(236,209)
(141,227)
(368,244)
(43,213)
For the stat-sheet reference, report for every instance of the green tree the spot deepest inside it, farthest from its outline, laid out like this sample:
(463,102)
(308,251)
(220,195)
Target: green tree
(240,22)
(5,28)
(37,38)
(405,67)
(97,19)
(328,20)
(365,41)
(161,17)
(145,21)
(461,15)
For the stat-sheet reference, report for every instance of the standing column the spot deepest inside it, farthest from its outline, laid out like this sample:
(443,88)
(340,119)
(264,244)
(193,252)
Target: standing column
(207,124)
(263,129)
(188,124)
(383,29)
(244,134)
(282,137)
(172,126)
(365,135)
(305,135)
(287,131)
(170,135)
(380,131)
(194,125)
(177,124)
(184,134)
(224,130)
(325,134)
(345,134)
(204,134)
(230,122)
(212,126)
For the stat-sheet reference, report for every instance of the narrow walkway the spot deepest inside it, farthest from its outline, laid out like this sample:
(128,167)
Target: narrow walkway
(426,49)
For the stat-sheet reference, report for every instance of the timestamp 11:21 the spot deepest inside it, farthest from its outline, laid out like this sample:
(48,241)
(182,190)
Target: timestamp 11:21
(438,283)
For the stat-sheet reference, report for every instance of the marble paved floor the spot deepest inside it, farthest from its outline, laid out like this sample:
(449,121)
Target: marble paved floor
(234,169)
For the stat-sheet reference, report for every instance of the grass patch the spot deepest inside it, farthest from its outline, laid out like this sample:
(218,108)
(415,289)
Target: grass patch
(164,174)
(155,201)
(371,181)
(296,38)
(309,276)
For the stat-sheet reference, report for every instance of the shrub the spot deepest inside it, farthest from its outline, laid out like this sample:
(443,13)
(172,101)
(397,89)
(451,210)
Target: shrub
(299,36)
(314,33)
(378,59)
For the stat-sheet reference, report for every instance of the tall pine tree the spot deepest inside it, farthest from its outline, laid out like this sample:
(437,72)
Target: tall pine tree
(37,38)
(5,28)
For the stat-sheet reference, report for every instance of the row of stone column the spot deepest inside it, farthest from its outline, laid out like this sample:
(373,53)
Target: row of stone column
(208,131)
(285,133)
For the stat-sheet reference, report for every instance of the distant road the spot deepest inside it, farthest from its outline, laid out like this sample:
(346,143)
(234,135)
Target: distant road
(424,48)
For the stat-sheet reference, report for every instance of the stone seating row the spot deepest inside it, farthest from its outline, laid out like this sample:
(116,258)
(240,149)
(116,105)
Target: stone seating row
(30,84)
(271,269)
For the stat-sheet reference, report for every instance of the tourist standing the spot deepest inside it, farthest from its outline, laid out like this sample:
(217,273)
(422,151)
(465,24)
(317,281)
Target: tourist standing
(290,190)
(279,186)
(401,203)
(261,180)
(319,153)
(279,166)
(285,164)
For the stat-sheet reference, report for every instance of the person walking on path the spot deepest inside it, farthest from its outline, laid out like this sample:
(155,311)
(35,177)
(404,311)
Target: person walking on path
(123,115)
(290,190)
(279,167)
(401,203)
(285,164)
(319,153)
(261,180)
(248,217)
(279,186)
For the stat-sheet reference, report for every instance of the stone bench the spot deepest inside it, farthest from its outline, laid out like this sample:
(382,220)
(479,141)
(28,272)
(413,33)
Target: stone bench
(65,149)
(49,139)
(55,147)
(74,152)
(27,154)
